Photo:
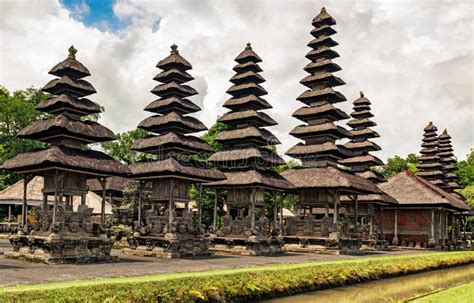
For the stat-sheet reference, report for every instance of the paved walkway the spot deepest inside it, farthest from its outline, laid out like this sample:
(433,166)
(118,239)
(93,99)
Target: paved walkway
(22,272)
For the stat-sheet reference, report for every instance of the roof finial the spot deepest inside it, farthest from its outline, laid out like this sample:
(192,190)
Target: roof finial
(445,132)
(431,123)
(323,9)
(72,52)
(174,49)
(249,46)
(361,94)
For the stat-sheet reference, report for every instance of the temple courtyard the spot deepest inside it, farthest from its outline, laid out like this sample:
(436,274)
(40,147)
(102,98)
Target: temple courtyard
(21,272)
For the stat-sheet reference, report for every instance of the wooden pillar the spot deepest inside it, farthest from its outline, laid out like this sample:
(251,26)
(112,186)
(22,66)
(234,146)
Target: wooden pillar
(446,228)
(440,227)
(371,225)
(83,199)
(140,193)
(432,239)
(275,209)
(356,209)
(326,213)
(383,220)
(24,208)
(200,205)
(44,207)
(103,183)
(395,228)
(56,179)
(171,203)
(214,217)
(336,211)
(282,197)
(9,213)
(252,209)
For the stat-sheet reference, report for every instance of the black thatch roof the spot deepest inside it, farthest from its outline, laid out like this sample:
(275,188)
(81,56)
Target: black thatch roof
(172,125)
(411,190)
(329,149)
(250,116)
(247,102)
(329,178)
(63,126)
(172,141)
(248,55)
(90,162)
(446,156)
(172,122)
(70,67)
(324,129)
(67,85)
(177,104)
(66,103)
(259,136)
(173,168)
(251,178)
(247,156)
(328,111)
(430,162)
(174,60)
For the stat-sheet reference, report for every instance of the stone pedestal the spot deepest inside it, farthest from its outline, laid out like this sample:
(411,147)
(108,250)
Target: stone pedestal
(61,248)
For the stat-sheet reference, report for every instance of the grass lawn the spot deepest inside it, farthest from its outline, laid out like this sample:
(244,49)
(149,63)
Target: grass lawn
(462,293)
(220,285)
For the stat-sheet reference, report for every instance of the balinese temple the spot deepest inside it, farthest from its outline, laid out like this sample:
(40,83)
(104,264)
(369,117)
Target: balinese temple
(163,231)
(445,153)
(320,182)
(247,160)
(63,234)
(425,214)
(430,167)
(362,163)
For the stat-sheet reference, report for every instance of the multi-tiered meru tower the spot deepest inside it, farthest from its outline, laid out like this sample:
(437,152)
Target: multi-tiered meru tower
(360,145)
(319,181)
(430,167)
(363,208)
(165,231)
(62,234)
(247,160)
(445,153)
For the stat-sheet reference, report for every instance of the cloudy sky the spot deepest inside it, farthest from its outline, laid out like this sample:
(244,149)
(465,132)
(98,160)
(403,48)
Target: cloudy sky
(412,59)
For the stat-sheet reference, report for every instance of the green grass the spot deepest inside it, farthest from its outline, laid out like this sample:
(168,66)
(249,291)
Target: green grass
(462,293)
(220,285)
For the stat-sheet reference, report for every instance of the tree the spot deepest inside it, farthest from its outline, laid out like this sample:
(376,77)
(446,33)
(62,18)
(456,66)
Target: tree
(465,170)
(17,110)
(397,164)
(121,149)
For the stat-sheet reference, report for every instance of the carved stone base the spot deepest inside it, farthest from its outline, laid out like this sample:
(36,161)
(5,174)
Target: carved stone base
(323,245)
(168,247)
(251,246)
(57,249)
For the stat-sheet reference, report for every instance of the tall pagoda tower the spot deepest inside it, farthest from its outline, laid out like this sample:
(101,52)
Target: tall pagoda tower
(167,231)
(319,181)
(430,167)
(445,153)
(62,234)
(247,160)
(360,144)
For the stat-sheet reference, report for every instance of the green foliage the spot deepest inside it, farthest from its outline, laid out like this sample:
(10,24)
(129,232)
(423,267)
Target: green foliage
(121,149)
(468,193)
(17,110)
(210,136)
(287,165)
(397,164)
(465,170)
(249,284)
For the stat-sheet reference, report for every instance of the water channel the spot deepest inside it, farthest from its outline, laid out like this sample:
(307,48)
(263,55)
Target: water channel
(388,290)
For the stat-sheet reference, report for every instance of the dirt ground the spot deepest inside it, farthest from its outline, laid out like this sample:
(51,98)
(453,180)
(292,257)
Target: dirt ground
(21,272)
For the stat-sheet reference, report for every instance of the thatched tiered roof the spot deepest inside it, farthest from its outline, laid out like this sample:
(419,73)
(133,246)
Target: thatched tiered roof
(172,145)
(320,132)
(411,190)
(430,163)
(113,185)
(244,159)
(320,153)
(360,145)
(67,132)
(445,153)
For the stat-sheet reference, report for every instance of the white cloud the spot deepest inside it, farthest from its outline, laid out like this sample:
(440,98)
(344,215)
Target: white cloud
(413,59)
